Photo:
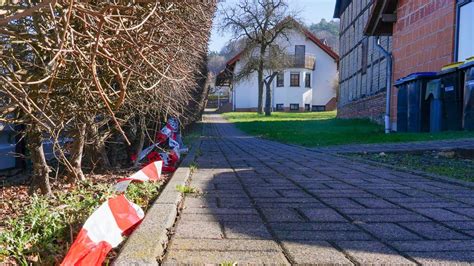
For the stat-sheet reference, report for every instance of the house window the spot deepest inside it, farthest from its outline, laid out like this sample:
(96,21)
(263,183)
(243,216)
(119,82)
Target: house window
(465,32)
(365,54)
(295,79)
(307,80)
(279,107)
(280,80)
(294,107)
(319,108)
(300,51)
(307,107)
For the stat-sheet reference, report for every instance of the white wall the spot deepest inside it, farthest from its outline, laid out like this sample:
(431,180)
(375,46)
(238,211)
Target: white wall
(325,71)
(287,95)
(323,76)
(246,91)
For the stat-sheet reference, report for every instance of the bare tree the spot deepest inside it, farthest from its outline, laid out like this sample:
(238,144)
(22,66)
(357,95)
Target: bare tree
(260,23)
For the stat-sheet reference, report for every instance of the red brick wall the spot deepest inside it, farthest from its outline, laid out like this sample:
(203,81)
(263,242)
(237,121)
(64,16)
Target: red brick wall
(372,107)
(423,38)
(332,104)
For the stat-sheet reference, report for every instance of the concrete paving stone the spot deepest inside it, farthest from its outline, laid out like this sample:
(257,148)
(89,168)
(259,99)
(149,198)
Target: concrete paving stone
(204,186)
(339,193)
(389,231)
(375,203)
(447,204)
(387,193)
(277,181)
(384,187)
(341,203)
(226,194)
(317,252)
(463,211)
(243,230)
(469,232)
(373,253)
(293,193)
(388,218)
(432,199)
(221,217)
(200,202)
(281,215)
(338,185)
(228,186)
(464,225)
(415,193)
(469,201)
(313,226)
(316,177)
(224,257)
(441,214)
(199,229)
(435,245)
(286,200)
(224,245)
(313,185)
(322,235)
(190,210)
(234,203)
(263,193)
(433,230)
(294,205)
(443,258)
(323,215)
(282,186)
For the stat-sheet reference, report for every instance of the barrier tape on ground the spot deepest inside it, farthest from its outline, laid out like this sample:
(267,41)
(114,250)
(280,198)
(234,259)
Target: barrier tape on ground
(104,229)
(151,172)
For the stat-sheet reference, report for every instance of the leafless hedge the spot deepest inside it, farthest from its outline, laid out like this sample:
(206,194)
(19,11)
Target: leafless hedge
(99,72)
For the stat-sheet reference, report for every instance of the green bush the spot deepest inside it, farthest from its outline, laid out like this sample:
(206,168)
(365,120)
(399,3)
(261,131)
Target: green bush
(42,234)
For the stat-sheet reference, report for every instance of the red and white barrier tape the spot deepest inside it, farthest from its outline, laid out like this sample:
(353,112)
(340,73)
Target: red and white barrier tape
(151,172)
(103,231)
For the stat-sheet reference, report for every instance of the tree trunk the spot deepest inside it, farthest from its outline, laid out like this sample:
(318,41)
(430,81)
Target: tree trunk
(97,153)
(260,90)
(75,173)
(100,148)
(268,99)
(141,141)
(41,170)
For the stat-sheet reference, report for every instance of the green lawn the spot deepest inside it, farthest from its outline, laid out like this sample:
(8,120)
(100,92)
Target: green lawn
(428,161)
(324,129)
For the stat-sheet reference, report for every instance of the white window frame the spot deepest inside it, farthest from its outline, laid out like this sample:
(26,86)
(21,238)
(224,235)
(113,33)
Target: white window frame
(462,4)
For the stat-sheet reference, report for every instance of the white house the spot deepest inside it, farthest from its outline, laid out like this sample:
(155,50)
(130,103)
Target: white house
(308,85)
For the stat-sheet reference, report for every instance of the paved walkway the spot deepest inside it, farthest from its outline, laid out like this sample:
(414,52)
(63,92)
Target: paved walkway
(267,202)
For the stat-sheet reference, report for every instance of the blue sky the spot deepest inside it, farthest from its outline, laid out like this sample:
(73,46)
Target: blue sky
(311,11)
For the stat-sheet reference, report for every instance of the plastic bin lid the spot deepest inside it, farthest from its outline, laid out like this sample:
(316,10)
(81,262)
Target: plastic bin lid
(418,75)
(469,63)
(450,68)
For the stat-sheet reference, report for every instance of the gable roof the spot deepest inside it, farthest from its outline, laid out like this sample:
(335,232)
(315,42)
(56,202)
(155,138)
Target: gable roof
(341,5)
(382,17)
(308,35)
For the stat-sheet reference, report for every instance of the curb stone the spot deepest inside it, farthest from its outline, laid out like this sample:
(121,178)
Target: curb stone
(148,242)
